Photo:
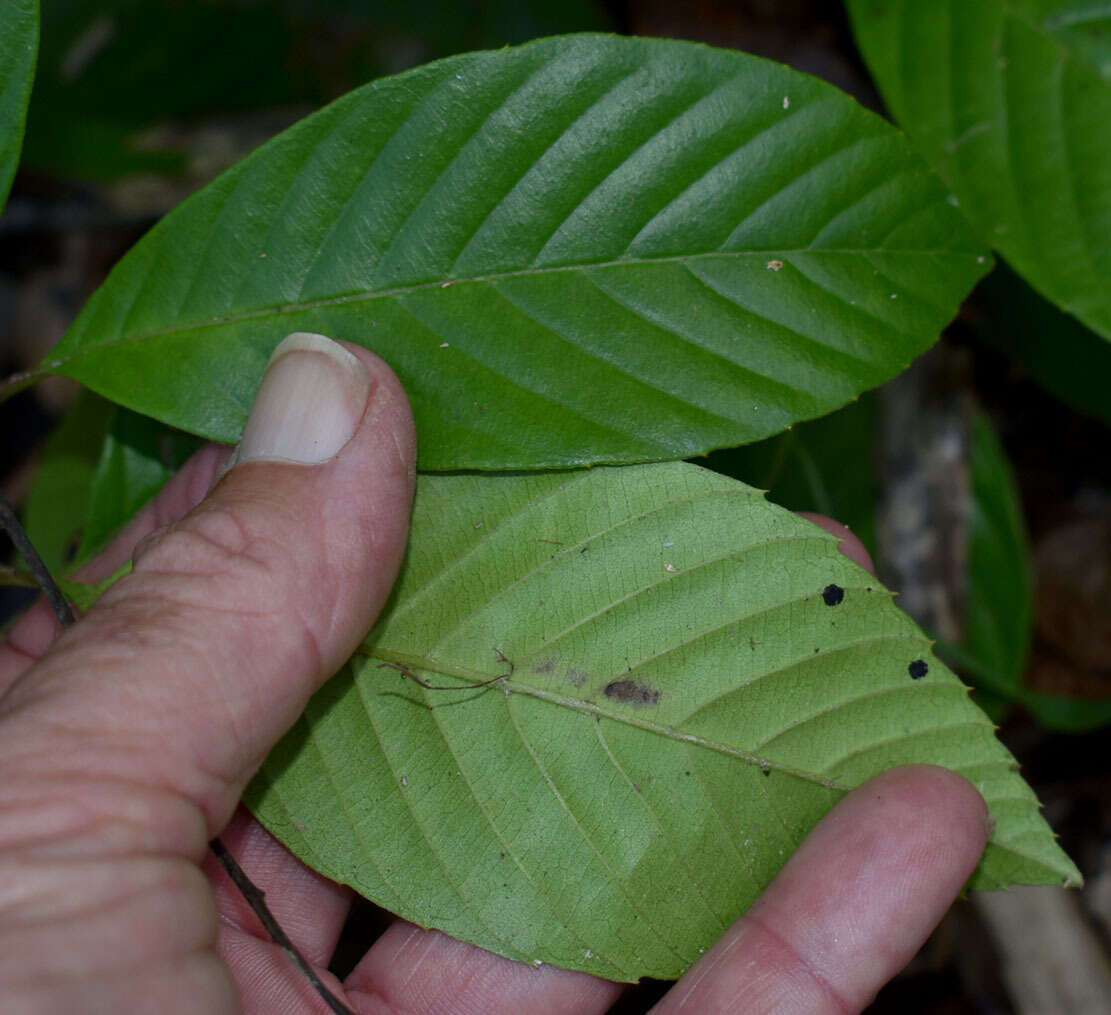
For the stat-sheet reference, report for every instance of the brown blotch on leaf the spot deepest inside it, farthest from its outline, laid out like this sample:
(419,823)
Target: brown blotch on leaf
(631,692)
(545,666)
(576,678)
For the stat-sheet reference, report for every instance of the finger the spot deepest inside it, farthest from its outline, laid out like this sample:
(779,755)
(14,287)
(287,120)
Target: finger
(851,907)
(308,907)
(178,682)
(36,630)
(410,969)
(851,546)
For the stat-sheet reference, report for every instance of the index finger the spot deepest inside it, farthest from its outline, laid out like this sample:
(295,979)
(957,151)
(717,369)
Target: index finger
(853,904)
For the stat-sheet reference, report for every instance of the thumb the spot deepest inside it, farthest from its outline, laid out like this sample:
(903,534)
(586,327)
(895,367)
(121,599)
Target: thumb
(179,681)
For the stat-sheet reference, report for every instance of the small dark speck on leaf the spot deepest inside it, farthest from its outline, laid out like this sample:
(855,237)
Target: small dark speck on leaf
(766,771)
(833,595)
(918,669)
(547,666)
(632,693)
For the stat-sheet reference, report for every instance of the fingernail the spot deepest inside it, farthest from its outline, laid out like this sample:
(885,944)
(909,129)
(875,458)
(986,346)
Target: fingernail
(310,402)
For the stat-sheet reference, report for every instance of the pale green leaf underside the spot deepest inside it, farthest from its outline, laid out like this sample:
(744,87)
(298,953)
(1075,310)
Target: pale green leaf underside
(563,249)
(19,37)
(1011,101)
(683,707)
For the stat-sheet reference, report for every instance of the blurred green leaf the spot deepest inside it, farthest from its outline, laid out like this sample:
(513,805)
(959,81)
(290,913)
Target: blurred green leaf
(1067,715)
(999,621)
(138,457)
(19,35)
(1011,101)
(587,249)
(110,68)
(1000,588)
(99,468)
(1058,352)
(1082,26)
(827,466)
(57,503)
(693,677)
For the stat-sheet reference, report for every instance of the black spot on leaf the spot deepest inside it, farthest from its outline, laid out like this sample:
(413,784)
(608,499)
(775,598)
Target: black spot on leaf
(918,669)
(833,594)
(632,692)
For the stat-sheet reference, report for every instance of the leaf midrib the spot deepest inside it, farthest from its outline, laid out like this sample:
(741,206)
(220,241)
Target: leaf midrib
(382,294)
(510,686)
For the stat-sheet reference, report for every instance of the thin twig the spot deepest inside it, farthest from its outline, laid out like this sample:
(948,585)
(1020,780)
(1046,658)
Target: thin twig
(445,687)
(256,899)
(253,895)
(41,572)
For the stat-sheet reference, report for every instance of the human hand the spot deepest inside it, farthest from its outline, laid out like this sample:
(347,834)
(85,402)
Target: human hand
(125,747)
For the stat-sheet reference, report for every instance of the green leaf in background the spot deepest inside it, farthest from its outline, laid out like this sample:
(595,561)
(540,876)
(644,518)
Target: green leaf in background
(827,465)
(109,70)
(58,501)
(694,677)
(99,468)
(138,458)
(999,618)
(19,36)
(999,622)
(587,249)
(1011,101)
(1058,352)
(1000,589)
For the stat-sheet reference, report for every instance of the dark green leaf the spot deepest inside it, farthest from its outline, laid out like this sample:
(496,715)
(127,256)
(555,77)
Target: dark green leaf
(54,515)
(587,249)
(827,466)
(19,36)
(1011,101)
(138,458)
(1056,712)
(1068,715)
(683,701)
(110,69)
(1059,353)
(998,625)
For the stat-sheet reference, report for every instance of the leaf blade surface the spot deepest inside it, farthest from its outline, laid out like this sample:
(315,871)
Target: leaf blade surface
(682,702)
(18,47)
(588,249)
(1010,100)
